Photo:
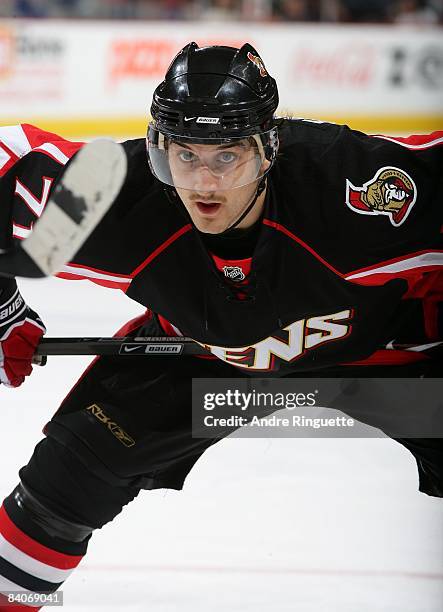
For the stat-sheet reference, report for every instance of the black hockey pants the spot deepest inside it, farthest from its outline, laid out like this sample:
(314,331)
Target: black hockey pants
(126,426)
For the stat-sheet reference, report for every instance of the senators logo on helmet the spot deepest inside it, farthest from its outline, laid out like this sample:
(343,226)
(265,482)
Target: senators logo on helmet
(258,62)
(390,192)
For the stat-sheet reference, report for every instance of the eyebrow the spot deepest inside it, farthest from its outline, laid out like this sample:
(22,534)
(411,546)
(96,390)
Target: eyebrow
(222,146)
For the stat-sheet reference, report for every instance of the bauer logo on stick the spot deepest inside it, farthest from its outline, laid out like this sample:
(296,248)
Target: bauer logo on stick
(390,192)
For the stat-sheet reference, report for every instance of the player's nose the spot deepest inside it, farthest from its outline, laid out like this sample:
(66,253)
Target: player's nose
(204,180)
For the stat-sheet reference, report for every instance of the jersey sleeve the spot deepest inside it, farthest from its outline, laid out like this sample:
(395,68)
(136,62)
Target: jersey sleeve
(361,201)
(31,159)
(396,178)
(393,193)
(372,208)
(393,206)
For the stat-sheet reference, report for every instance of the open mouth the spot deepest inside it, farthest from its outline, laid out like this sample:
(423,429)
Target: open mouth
(208,208)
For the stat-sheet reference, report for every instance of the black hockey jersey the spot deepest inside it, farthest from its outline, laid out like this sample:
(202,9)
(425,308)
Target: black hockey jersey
(348,264)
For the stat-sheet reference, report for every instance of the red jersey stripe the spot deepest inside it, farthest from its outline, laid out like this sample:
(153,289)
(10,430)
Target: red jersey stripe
(389,357)
(421,260)
(112,280)
(39,138)
(103,283)
(7,158)
(74,267)
(299,241)
(416,142)
(34,549)
(167,327)
(161,248)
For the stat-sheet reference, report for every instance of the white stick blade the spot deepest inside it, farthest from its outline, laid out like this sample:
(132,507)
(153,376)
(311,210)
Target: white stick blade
(79,201)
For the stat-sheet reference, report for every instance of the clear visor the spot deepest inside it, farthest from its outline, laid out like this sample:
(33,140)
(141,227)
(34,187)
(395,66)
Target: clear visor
(210,164)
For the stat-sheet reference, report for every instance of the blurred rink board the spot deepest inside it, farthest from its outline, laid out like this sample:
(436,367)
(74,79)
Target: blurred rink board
(89,78)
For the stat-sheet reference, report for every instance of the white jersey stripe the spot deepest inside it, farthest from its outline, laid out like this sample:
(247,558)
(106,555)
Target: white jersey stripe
(15,139)
(415,147)
(4,158)
(31,566)
(19,231)
(87,273)
(412,263)
(176,329)
(423,347)
(53,151)
(36,206)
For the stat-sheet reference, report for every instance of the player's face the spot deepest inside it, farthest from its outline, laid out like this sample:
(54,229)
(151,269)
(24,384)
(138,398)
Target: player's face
(209,170)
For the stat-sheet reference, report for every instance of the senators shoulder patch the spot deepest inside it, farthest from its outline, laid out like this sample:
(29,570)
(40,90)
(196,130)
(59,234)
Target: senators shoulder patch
(390,192)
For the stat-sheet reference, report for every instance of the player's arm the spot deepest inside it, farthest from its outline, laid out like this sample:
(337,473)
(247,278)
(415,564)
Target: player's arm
(394,196)
(30,162)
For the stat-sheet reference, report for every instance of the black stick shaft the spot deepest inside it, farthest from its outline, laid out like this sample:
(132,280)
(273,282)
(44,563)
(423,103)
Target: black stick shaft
(144,346)
(150,345)
(120,346)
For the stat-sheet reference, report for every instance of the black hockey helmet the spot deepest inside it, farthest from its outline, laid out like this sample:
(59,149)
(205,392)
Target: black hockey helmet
(215,95)
(215,92)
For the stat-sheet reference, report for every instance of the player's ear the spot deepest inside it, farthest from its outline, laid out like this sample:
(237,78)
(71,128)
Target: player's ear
(265,166)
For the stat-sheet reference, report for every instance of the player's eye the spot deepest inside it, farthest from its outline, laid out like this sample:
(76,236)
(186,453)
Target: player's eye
(227,157)
(187,156)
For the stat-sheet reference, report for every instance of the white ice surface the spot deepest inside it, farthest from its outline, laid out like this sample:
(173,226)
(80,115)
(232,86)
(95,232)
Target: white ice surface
(262,525)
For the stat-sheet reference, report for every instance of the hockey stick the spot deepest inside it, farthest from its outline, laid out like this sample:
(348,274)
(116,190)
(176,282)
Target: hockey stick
(146,346)
(123,346)
(82,196)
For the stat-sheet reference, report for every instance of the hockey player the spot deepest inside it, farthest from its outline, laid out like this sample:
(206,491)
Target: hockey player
(286,246)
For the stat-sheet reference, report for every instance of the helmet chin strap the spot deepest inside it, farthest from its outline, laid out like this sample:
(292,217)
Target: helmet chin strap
(173,197)
(260,188)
